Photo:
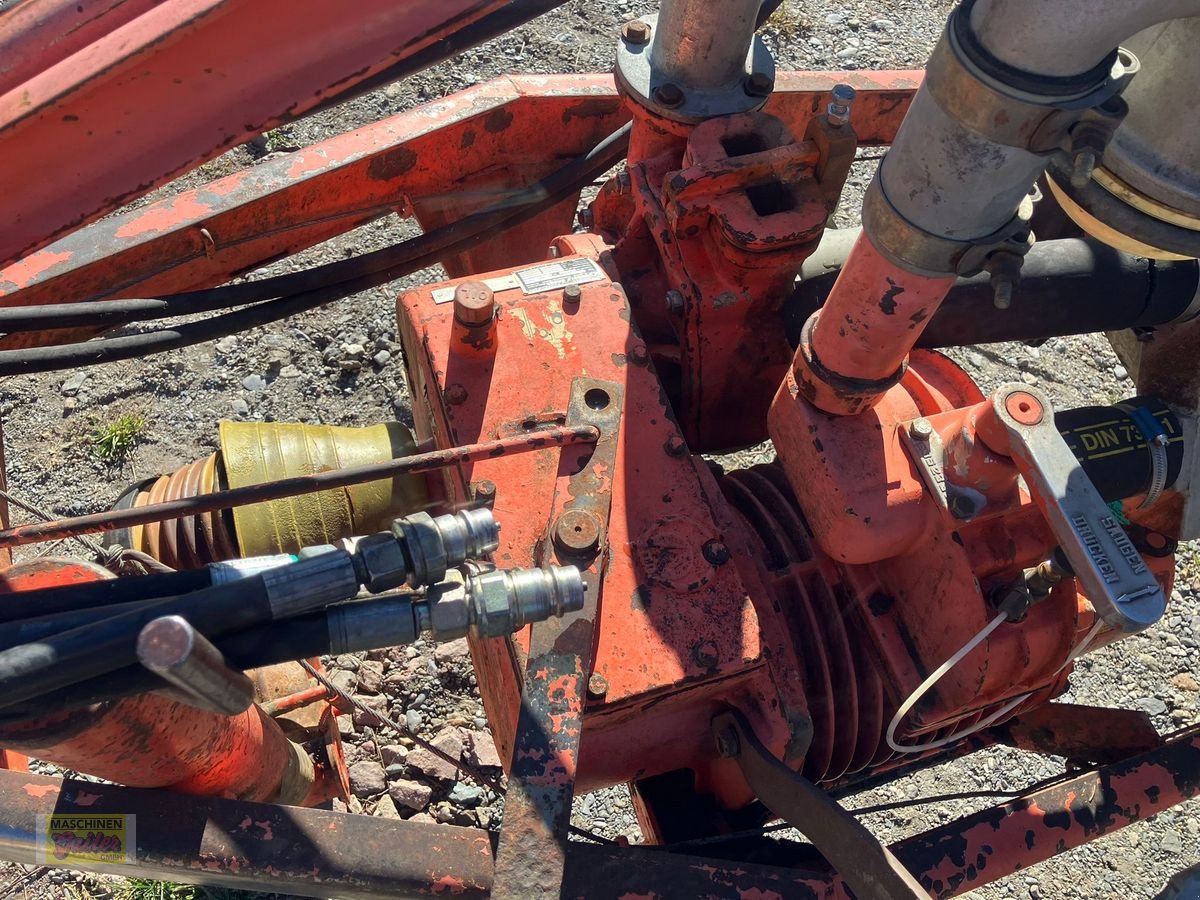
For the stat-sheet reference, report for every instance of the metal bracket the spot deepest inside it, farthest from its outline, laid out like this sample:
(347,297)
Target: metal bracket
(1019,421)
(537,806)
(869,868)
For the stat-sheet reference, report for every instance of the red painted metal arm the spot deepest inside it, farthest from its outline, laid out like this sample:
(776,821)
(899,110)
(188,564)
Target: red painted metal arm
(172,87)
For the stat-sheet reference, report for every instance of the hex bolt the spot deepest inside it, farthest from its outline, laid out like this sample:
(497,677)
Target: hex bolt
(1082,167)
(759,84)
(572,294)
(921,429)
(432,546)
(474,304)
(674,301)
(676,445)
(636,32)
(838,111)
(586,217)
(669,95)
(597,686)
(578,531)
(484,492)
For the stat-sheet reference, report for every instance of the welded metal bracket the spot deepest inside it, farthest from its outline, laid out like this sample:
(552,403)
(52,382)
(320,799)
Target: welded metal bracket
(537,806)
(869,868)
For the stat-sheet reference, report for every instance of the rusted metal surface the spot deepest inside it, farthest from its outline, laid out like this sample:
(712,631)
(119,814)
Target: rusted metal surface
(1082,734)
(298,199)
(676,631)
(537,806)
(153,741)
(289,487)
(177,60)
(995,843)
(239,844)
(863,862)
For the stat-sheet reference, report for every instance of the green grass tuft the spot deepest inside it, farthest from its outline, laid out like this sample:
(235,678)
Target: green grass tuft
(111,443)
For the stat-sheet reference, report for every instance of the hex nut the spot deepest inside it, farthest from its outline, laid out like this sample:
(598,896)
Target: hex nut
(423,545)
(491,604)
(449,608)
(381,562)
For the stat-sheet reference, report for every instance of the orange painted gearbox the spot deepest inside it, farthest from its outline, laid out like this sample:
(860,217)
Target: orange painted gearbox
(814,594)
(717,590)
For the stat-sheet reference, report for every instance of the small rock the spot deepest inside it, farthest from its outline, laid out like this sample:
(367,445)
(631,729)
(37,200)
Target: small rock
(386,808)
(348,661)
(393,754)
(377,705)
(1151,705)
(370,677)
(345,726)
(449,741)
(382,358)
(423,819)
(254,383)
(1172,842)
(413,720)
(451,650)
(71,386)
(395,770)
(1120,373)
(410,794)
(367,778)
(480,750)
(1029,378)
(240,407)
(466,795)
(344,681)
(289,372)
(227,345)
(1186,682)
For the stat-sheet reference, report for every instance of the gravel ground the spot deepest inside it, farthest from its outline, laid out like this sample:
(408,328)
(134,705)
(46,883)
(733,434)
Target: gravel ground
(341,365)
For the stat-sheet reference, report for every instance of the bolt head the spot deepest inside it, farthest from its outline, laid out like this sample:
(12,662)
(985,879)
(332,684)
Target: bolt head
(759,84)
(676,445)
(636,32)
(578,531)
(455,394)
(597,686)
(572,294)
(716,553)
(669,95)
(674,302)
(586,217)
(921,428)
(484,492)
(843,94)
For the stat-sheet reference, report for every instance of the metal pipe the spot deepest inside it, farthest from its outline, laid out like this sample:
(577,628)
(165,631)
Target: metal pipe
(946,197)
(37,532)
(703,45)
(1068,37)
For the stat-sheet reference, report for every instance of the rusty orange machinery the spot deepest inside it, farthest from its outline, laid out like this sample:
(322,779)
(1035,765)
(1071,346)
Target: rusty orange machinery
(158,741)
(814,594)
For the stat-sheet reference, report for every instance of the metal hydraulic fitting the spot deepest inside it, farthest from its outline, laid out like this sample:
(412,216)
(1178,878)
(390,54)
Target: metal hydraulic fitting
(420,548)
(498,602)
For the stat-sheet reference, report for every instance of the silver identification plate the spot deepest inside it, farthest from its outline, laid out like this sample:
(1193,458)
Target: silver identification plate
(542,277)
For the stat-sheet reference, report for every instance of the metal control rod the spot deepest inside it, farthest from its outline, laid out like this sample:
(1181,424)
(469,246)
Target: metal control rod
(562,436)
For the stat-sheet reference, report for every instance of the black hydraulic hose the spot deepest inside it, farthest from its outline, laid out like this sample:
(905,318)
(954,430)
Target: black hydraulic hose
(38,628)
(1069,286)
(71,598)
(69,657)
(382,621)
(335,281)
